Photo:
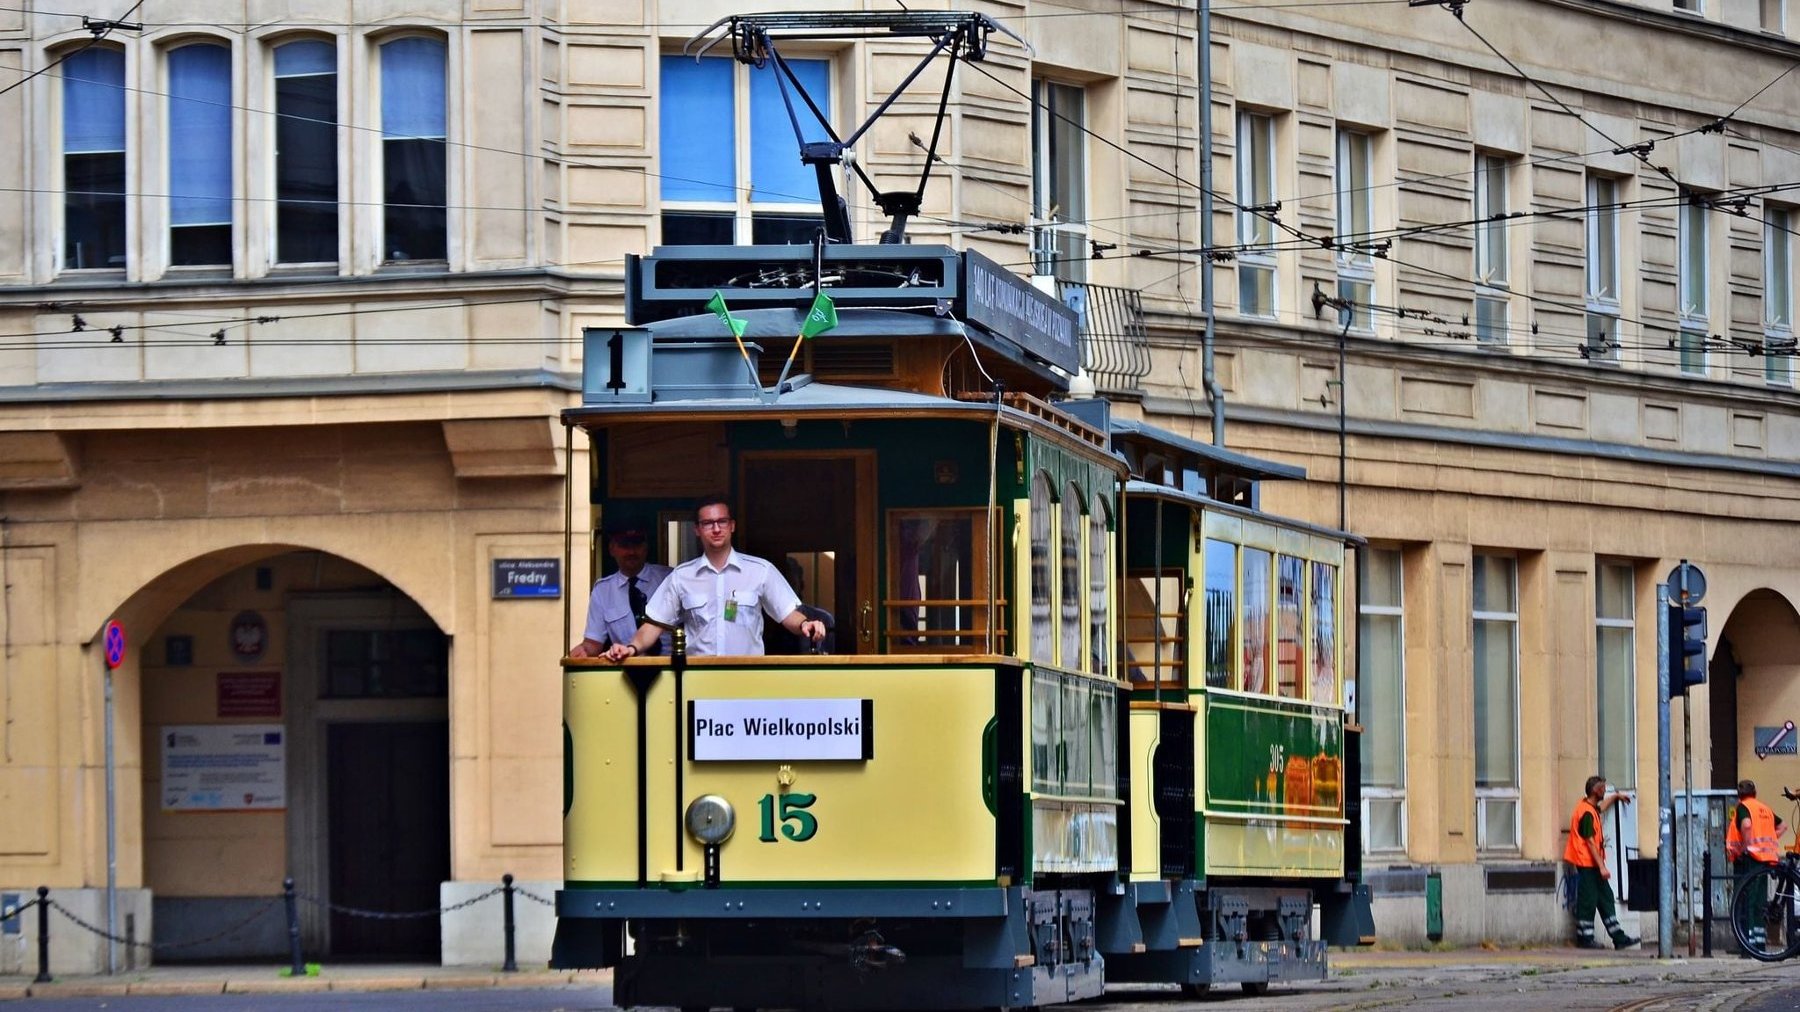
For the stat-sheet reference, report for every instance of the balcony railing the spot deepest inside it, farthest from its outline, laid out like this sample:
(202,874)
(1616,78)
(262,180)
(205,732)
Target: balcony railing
(1115,350)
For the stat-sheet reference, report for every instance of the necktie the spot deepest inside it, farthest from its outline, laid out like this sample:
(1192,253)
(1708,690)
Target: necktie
(637,599)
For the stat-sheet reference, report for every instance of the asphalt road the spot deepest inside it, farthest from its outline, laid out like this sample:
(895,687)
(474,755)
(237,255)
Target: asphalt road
(1468,982)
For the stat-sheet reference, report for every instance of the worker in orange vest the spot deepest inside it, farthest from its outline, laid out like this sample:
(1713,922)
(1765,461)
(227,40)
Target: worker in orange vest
(1586,851)
(1750,840)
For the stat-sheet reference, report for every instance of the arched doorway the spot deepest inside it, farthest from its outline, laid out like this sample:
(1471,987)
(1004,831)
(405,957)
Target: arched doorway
(295,721)
(1753,681)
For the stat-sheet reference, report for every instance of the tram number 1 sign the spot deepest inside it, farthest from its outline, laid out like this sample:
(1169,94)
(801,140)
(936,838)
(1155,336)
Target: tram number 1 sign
(114,643)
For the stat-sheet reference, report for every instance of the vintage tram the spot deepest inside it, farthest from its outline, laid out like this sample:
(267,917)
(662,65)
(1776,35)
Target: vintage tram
(1084,717)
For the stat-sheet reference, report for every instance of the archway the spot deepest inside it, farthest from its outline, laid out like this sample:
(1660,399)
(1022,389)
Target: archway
(294,715)
(1754,683)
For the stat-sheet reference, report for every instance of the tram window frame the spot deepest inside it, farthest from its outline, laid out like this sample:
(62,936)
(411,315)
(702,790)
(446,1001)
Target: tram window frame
(1321,631)
(1041,576)
(892,605)
(1289,626)
(1249,624)
(1221,651)
(1101,644)
(1071,610)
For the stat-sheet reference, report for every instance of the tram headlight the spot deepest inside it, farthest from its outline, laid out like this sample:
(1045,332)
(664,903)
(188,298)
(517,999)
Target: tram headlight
(710,820)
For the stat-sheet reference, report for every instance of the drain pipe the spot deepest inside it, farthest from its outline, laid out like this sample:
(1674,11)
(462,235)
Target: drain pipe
(1215,397)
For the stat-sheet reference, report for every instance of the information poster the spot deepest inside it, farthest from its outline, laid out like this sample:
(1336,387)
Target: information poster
(224,767)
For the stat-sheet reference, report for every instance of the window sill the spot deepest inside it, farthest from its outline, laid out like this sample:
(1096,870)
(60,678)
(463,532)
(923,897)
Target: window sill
(391,267)
(88,275)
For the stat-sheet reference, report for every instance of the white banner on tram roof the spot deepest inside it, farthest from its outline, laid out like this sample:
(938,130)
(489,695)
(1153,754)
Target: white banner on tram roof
(781,729)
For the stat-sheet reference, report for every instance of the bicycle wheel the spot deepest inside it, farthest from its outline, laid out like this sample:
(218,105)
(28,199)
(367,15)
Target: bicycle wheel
(1764,913)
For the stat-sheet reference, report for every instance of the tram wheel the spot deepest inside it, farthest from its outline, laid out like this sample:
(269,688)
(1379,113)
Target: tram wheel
(1195,990)
(1255,987)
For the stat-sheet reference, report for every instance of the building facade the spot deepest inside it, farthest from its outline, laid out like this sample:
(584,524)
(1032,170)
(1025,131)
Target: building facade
(290,299)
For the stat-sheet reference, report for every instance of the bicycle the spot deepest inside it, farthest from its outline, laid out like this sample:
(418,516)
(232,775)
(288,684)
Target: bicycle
(1765,905)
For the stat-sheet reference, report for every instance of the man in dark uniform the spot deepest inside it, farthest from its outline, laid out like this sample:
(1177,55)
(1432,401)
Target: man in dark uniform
(1586,851)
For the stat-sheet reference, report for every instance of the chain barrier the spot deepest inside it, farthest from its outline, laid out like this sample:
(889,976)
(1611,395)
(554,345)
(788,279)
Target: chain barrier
(394,915)
(163,946)
(508,890)
(19,913)
(534,897)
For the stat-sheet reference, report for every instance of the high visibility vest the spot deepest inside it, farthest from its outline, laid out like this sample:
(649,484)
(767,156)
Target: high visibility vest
(1576,851)
(1762,844)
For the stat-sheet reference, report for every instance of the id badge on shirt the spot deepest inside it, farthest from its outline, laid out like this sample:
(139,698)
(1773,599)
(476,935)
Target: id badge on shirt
(731,609)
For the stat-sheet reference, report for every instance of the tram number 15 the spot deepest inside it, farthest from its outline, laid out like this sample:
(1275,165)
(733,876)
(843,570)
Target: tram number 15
(797,824)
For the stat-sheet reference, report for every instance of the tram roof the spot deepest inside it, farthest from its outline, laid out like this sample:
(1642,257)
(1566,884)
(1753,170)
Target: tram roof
(802,397)
(1207,458)
(1138,486)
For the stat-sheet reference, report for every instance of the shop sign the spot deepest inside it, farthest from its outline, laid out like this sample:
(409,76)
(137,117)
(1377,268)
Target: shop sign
(224,767)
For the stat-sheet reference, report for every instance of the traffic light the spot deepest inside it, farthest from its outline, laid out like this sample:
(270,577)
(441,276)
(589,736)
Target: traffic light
(1687,647)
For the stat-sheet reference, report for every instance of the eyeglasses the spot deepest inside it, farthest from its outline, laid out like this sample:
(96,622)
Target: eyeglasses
(714,524)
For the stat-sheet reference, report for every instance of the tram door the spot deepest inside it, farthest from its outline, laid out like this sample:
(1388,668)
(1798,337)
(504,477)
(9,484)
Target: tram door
(813,514)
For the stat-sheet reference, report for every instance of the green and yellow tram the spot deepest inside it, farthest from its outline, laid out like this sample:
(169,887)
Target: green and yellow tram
(1083,719)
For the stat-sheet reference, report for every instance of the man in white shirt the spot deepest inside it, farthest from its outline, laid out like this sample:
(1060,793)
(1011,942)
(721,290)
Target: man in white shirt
(616,609)
(720,597)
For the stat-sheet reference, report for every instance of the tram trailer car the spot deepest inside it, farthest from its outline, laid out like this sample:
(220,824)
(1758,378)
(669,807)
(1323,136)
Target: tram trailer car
(1013,780)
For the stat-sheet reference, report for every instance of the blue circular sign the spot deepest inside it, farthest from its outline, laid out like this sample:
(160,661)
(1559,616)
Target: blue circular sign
(115,644)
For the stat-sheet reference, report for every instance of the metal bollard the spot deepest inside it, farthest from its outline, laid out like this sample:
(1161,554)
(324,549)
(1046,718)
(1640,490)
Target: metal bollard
(43,904)
(506,884)
(1706,899)
(298,968)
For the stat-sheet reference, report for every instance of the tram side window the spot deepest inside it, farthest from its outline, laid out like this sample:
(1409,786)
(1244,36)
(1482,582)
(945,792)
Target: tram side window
(1221,612)
(937,589)
(1043,628)
(1071,578)
(1155,627)
(1324,634)
(1290,645)
(1099,643)
(1257,591)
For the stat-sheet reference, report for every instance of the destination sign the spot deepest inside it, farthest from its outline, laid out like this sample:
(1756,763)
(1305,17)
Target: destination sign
(731,730)
(1010,307)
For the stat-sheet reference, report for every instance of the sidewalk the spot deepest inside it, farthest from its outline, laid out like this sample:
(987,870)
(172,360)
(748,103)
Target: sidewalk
(170,981)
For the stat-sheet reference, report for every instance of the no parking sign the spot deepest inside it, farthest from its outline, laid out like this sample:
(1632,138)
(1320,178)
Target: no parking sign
(114,641)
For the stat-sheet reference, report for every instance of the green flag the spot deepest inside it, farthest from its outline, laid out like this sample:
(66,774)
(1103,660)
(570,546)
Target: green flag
(717,305)
(820,318)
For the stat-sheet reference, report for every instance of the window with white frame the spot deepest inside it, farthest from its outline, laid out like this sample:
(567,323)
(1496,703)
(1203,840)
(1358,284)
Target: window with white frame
(414,169)
(199,185)
(1493,251)
(731,169)
(1693,279)
(93,159)
(1059,180)
(306,152)
(1778,295)
(1356,220)
(1256,214)
(1381,700)
(1615,653)
(1690,6)
(1496,675)
(1602,268)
